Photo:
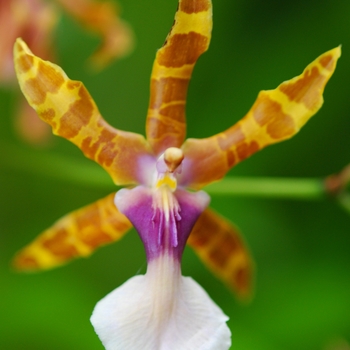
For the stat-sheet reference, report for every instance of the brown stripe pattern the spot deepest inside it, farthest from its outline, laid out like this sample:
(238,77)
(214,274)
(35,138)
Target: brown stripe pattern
(172,70)
(275,116)
(221,248)
(77,234)
(72,113)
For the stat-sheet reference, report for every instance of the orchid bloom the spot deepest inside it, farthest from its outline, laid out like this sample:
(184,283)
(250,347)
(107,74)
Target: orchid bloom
(34,21)
(162,309)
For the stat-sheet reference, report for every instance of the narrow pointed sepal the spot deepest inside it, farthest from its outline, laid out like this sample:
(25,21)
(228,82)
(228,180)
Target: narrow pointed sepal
(161,311)
(172,70)
(72,113)
(77,234)
(222,249)
(276,115)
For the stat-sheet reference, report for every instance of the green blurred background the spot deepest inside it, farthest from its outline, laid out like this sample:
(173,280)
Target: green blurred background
(301,249)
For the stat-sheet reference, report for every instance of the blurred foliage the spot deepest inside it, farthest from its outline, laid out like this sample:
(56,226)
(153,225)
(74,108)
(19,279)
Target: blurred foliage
(301,248)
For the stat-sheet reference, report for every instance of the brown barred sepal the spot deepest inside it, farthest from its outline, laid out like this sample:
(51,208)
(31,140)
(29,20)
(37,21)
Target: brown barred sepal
(77,234)
(221,248)
(275,116)
(172,69)
(72,113)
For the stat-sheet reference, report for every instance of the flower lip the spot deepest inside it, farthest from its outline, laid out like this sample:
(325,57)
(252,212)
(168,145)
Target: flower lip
(160,310)
(163,223)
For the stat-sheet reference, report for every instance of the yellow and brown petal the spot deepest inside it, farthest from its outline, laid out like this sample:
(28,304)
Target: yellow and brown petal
(34,21)
(275,116)
(222,249)
(172,70)
(72,113)
(77,234)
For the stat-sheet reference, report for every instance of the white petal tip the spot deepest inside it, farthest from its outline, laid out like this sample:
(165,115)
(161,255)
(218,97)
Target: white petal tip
(141,316)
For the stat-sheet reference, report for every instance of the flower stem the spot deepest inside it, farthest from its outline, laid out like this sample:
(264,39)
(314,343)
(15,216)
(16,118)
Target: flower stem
(55,166)
(270,187)
(85,173)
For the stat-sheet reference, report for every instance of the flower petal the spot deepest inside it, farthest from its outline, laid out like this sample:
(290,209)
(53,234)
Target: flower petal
(275,116)
(172,69)
(160,311)
(76,234)
(68,107)
(162,228)
(102,18)
(221,248)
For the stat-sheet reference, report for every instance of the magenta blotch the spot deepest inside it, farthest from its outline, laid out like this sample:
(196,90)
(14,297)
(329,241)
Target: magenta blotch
(162,230)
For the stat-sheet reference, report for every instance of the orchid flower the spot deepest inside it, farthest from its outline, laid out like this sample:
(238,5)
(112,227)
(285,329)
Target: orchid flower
(165,174)
(35,21)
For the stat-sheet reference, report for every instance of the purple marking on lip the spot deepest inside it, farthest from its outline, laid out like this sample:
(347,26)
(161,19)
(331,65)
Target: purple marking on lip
(138,205)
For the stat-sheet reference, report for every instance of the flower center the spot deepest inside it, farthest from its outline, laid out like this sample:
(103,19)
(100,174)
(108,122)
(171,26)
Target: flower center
(166,209)
(168,165)
(163,214)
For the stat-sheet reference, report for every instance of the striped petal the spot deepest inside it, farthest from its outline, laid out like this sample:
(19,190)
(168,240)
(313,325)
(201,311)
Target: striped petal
(76,234)
(161,311)
(70,110)
(103,19)
(172,69)
(221,248)
(275,116)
